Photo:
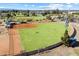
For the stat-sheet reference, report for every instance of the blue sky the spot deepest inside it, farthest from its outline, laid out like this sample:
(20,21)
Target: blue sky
(40,6)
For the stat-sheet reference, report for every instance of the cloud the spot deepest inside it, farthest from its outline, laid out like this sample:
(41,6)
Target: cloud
(32,5)
(42,6)
(69,6)
(76,3)
(27,5)
(2,7)
(48,6)
(56,6)
(53,6)
(68,3)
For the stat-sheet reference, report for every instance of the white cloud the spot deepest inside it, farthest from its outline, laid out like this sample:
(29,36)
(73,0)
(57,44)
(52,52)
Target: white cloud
(68,3)
(69,6)
(56,6)
(42,6)
(49,6)
(31,5)
(2,7)
(25,5)
(53,6)
(76,3)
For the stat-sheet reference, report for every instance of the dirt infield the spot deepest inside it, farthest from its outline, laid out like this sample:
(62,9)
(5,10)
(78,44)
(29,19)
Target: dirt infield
(24,26)
(14,42)
(14,39)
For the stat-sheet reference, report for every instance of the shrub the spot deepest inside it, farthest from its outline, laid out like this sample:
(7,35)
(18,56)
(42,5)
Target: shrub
(37,20)
(48,17)
(29,20)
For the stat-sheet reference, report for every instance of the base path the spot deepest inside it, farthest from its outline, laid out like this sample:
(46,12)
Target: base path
(14,42)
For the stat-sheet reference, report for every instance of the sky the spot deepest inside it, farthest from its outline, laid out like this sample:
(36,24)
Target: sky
(40,6)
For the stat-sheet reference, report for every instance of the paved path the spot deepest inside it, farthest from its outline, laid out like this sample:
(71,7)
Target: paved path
(76,49)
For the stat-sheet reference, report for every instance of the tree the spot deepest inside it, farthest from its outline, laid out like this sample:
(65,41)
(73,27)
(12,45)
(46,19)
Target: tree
(8,15)
(48,17)
(28,13)
(44,14)
(71,17)
(65,39)
(33,14)
(57,11)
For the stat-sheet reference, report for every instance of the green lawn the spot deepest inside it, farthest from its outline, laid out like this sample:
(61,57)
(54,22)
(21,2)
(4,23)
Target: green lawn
(42,36)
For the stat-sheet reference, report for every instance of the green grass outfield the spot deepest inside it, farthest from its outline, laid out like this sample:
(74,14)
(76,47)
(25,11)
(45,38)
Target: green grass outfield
(41,36)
